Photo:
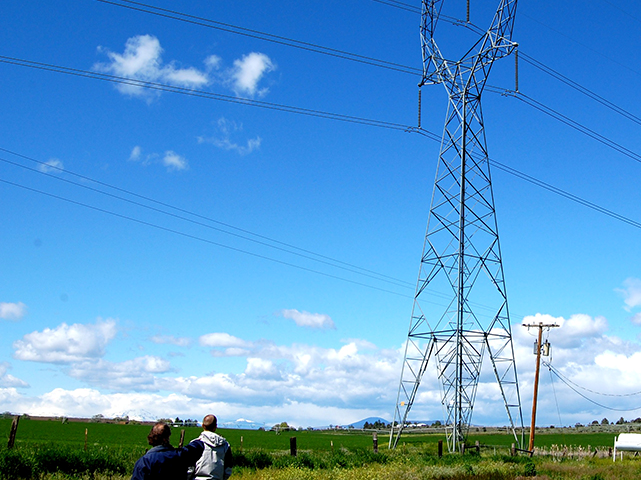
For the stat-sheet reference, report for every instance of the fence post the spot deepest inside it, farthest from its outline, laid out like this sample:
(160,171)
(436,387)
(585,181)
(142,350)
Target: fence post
(513,450)
(241,444)
(331,444)
(292,446)
(182,438)
(375,441)
(477,445)
(440,448)
(86,435)
(13,431)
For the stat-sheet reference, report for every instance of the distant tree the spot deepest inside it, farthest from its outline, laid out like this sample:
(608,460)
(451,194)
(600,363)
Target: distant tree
(637,420)
(98,418)
(594,422)
(367,425)
(437,423)
(578,425)
(620,421)
(605,421)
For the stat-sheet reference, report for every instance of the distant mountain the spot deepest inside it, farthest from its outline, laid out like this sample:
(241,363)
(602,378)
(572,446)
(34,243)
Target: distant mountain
(242,423)
(386,422)
(360,423)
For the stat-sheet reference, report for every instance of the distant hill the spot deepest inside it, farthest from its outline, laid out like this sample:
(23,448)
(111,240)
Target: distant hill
(360,423)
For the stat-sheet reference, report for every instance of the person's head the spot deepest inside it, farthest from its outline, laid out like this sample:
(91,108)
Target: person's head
(210,423)
(159,434)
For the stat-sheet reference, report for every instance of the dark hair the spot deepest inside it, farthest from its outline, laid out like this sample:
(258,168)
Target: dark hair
(159,434)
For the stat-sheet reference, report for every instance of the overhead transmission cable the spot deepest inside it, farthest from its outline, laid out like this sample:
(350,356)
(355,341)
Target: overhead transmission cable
(532,61)
(322,258)
(195,237)
(308,254)
(575,390)
(301,111)
(201,21)
(227,27)
(566,379)
(201,93)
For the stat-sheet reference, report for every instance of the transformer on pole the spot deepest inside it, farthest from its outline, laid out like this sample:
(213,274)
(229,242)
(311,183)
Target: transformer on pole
(461,254)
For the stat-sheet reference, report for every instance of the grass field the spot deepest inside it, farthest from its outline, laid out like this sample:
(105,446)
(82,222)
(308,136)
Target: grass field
(51,450)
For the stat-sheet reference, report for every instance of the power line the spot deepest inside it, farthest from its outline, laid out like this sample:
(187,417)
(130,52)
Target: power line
(314,113)
(566,379)
(201,21)
(195,237)
(227,27)
(368,273)
(322,259)
(534,62)
(202,94)
(575,390)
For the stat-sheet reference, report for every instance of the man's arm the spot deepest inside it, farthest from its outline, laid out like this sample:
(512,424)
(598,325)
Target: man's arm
(192,452)
(228,463)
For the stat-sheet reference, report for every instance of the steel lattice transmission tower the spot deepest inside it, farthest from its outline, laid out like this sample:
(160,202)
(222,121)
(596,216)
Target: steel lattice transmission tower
(461,254)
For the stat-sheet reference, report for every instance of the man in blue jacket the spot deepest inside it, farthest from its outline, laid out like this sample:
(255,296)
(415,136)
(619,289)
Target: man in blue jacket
(164,462)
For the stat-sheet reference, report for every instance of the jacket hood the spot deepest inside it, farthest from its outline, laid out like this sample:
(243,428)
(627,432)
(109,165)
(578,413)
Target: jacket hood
(212,439)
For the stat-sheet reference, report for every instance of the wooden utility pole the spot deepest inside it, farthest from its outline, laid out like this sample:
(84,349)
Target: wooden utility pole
(540,326)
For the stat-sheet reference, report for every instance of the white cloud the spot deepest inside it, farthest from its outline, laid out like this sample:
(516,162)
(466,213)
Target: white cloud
(306,319)
(226,129)
(173,161)
(51,165)
(636,319)
(169,339)
(8,380)
(248,71)
(66,343)
(12,311)
(136,374)
(136,153)
(308,385)
(142,60)
(631,293)
(222,340)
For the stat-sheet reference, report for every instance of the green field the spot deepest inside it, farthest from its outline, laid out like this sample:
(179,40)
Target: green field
(52,450)
(134,435)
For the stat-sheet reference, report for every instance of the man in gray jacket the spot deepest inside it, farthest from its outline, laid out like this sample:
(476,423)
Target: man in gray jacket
(216,461)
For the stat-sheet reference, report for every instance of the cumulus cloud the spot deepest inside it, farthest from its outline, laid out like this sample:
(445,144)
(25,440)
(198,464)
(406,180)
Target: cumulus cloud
(223,139)
(137,374)
(310,320)
(169,339)
(8,380)
(173,161)
(631,293)
(51,165)
(305,384)
(12,311)
(142,60)
(66,343)
(135,154)
(248,71)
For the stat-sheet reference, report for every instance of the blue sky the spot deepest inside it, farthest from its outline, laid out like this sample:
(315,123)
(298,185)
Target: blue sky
(122,309)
